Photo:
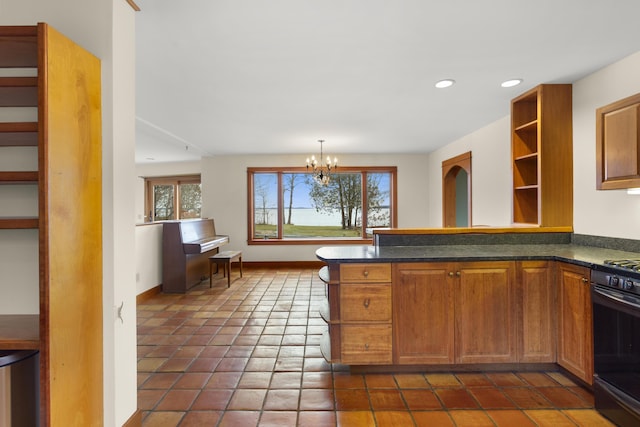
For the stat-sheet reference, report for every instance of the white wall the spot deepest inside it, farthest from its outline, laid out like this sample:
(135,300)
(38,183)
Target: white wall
(224,196)
(107,29)
(148,256)
(148,170)
(610,213)
(148,237)
(490,175)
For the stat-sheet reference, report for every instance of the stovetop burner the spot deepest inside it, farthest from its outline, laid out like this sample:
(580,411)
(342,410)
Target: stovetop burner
(631,264)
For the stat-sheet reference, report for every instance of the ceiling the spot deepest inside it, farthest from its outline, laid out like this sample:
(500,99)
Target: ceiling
(219,77)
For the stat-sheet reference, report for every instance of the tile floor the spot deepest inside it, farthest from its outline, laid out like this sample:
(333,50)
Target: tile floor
(249,356)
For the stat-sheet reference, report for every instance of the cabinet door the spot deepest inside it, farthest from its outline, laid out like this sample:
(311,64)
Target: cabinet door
(618,144)
(423,316)
(575,329)
(536,312)
(485,312)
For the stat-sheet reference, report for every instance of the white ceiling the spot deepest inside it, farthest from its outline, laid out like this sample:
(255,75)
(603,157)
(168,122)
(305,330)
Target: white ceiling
(219,77)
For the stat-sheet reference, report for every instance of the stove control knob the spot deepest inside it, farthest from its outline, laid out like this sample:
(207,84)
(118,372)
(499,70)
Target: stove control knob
(628,284)
(613,281)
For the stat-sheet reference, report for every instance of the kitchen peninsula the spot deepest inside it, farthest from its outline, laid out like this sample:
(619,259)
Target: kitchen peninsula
(465,298)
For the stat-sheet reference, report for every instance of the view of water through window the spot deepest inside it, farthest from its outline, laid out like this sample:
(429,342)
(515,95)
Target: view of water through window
(311,210)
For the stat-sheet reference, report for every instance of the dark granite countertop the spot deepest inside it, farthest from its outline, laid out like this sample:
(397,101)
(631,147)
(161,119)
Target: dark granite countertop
(586,256)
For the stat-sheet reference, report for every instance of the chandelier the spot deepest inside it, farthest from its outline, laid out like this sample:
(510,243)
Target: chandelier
(321,172)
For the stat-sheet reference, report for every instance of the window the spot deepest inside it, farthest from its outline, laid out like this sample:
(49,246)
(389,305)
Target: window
(286,204)
(172,197)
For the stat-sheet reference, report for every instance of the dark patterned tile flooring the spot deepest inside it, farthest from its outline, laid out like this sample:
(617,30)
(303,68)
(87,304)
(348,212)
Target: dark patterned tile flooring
(249,355)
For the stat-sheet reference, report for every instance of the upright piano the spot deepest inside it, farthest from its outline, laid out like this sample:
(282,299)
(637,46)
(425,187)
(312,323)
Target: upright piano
(186,248)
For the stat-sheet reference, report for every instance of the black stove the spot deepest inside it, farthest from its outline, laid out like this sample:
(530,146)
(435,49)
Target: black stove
(623,275)
(615,297)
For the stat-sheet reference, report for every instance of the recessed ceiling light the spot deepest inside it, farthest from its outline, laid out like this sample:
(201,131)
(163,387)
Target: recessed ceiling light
(445,83)
(511,83)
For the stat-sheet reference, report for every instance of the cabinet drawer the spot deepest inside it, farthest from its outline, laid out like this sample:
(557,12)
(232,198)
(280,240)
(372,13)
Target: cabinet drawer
(365,303)
(371,272)
(366,344)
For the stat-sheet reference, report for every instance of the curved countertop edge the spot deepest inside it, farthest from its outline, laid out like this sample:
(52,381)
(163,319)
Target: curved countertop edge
(586,256)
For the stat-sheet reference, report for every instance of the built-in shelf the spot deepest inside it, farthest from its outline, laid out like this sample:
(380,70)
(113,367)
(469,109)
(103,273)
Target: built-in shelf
(325,314)
(324,274)
(541,155)
(531,156)
(19,134)
(18,223)
(12,177)
(19,332)
(18,91)
(527,127)
(325,346)
(527,187)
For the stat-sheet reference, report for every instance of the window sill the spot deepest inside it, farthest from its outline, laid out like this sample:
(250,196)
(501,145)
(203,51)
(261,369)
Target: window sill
(328,241)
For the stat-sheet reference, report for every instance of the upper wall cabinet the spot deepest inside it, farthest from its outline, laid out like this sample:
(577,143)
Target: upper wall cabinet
(617,142)
(542,156)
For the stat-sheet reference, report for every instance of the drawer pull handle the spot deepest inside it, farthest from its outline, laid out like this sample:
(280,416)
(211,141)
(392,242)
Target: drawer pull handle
(451,274)
(366,346)
(367,302)
(365,273)
(458,273)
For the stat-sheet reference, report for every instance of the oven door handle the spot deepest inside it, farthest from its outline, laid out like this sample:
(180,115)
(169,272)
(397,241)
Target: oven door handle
(617,297)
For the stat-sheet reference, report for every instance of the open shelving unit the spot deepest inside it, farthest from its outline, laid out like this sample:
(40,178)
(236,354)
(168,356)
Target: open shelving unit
(542,158)
(51,198)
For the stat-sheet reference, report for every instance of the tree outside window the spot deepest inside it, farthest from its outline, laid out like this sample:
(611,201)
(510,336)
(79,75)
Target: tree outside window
(173,197)
(290,205)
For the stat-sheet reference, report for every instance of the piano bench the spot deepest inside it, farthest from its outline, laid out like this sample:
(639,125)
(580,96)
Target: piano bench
(225,258)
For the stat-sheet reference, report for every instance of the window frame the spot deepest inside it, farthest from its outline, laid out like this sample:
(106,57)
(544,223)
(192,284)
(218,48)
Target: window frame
(251,240)
(176,181)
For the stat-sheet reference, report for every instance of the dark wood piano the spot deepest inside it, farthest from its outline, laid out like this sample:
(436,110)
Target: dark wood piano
(186,248)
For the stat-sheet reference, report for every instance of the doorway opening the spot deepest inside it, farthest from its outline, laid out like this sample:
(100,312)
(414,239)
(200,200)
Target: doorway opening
(456,191)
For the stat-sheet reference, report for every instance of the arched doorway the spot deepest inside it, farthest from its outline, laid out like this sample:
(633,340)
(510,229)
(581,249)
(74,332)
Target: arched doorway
(456,191)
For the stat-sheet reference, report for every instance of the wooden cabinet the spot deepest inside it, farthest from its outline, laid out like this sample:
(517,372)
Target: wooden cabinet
(485,312)
(618,144)
(59,84)
(575,329)
(536,312)
(423,313)
(365,314)
(542,156)
(454,312)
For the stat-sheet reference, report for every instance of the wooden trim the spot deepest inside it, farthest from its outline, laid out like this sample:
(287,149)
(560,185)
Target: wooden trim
(279,171)
(324,242)
(176,181)
(133,5)
(135,420)
(283,264)
(148,294)
(450,169)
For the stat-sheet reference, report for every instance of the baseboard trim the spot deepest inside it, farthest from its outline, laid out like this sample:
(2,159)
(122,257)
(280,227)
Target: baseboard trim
(267,265)
(134,420)
(148,294)
(282,264)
